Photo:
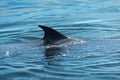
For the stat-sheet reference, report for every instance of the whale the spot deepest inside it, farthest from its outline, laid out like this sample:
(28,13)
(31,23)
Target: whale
(51,36)
(52,39)
(54,42)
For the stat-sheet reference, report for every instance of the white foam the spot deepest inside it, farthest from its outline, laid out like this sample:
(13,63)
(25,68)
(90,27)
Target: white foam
(66,42)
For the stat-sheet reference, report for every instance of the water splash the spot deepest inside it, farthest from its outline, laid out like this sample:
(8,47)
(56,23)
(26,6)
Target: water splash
(66,42)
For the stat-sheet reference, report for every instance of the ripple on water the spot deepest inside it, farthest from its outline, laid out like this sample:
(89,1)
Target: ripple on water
(73,61)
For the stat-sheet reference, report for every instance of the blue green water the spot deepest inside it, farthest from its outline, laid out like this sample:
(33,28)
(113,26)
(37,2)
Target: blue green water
(96,21)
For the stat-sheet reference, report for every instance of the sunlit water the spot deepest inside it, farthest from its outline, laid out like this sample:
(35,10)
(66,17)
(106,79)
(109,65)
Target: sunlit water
(97,22)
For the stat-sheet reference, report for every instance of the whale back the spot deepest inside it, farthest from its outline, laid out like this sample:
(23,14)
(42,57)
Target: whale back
(51,36)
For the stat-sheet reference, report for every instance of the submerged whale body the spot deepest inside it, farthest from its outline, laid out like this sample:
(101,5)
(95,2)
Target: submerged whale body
(51,37)
(52,40)
(54,43)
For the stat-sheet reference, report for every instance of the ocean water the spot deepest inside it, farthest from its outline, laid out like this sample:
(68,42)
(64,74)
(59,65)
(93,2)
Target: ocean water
(97,22)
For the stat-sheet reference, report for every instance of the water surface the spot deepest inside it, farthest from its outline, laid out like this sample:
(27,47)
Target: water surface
(95,21)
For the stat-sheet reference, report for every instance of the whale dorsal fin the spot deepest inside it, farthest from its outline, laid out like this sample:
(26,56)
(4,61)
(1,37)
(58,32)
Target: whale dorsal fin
(51,35)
